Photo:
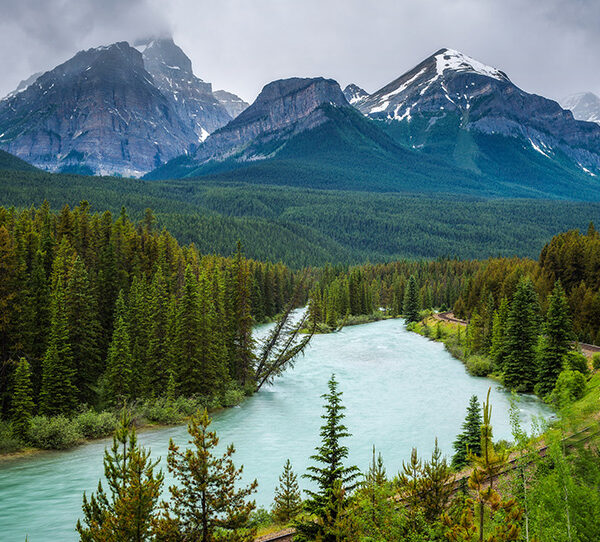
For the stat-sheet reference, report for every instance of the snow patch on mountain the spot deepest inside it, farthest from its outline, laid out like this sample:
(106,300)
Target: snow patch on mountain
(449,59)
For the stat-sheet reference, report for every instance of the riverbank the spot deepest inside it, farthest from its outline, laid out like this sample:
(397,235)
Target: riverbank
(49,434)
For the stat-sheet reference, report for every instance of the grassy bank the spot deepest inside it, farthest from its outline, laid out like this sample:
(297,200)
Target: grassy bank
(61,432)
(454,337)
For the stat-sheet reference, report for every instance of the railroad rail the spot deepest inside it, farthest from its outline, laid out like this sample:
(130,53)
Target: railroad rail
(286,535)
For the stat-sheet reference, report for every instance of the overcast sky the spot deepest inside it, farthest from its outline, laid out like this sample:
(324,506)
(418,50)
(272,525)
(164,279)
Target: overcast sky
(550,47)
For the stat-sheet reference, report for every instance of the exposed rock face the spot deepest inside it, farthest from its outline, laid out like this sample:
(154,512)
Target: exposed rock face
(234,104)
(584,106)
(100,111)
(283,108)
(452,89)
(111,110)
(192,98)
(355,95)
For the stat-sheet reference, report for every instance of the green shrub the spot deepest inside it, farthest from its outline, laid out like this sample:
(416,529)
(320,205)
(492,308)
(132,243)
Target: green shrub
(161,410)
(596,361)
(570,386)
(576,361)
(260,518)
(8,442)
(92,424)
(56,433)
(455,350)
(187,406)
(479,365)
(232,397)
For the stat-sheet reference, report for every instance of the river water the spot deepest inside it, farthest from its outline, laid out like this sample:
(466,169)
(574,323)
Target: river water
(400,390)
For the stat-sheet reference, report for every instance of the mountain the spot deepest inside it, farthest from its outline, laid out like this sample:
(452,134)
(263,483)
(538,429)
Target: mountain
(10,162)
(111,110)
(355,95)
(191,98)
(470,114)
(584,106)
(303,132)
(23,85)
(232,103)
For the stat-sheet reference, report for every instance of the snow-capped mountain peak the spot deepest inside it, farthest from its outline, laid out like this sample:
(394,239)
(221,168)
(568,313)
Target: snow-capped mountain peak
(449,59)
(584,105)
(355,95)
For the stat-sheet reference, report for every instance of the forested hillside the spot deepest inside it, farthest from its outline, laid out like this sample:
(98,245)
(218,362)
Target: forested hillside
(313,227)
(102,310)
(473,287)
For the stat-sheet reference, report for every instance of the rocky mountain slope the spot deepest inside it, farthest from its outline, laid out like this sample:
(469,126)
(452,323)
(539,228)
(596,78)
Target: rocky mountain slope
(355,95)
(232,103)
(111,110)
(584,106)
(472,114)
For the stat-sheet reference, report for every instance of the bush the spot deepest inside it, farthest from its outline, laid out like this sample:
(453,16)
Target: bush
(479,366)
(232,397)
(570,386)
(92,424)
(56,433)
(190,405)
(260,518)
(575,361)
(455,350)
(161,410)
(596,361)
(8,442)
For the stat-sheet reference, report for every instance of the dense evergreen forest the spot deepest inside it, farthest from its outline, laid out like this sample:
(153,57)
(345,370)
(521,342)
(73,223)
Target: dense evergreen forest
(97,310)
(304,227)
(525,316)
(472,288)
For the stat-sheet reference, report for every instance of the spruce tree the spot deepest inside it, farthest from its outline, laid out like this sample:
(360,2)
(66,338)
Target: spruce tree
(205,504)
(118,377)
(410,307)
(287,499)
(557,341)
(22,400)
(158,368)
(323,503)
(499,325)
(520,371)
(58,393)
(128,512)
(84,332)
(469,440)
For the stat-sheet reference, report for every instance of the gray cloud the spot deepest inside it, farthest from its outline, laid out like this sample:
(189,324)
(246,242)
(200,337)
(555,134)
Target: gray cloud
(548,47)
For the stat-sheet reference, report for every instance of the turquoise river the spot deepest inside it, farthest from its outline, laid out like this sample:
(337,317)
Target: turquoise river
(400,389)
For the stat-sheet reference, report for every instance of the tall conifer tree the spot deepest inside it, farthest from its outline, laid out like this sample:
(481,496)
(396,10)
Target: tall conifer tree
(325,502)
(58,394)
(22,400)
(557,341)
(119,361)
(411,301)
(520,371)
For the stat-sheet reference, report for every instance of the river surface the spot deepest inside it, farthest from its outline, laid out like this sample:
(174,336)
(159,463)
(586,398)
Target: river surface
(400,390)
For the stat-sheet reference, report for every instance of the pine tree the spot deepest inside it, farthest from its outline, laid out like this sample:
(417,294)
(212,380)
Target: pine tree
(557,341)
(158,369)
(437,485)
(119,361)
(205,505)
(9,267)
(469,440)
(58,393)
(330,454)
(128,512)
(499,325)
(287,499)
(410,307)
(22,400)
(520,372)
(84,332)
